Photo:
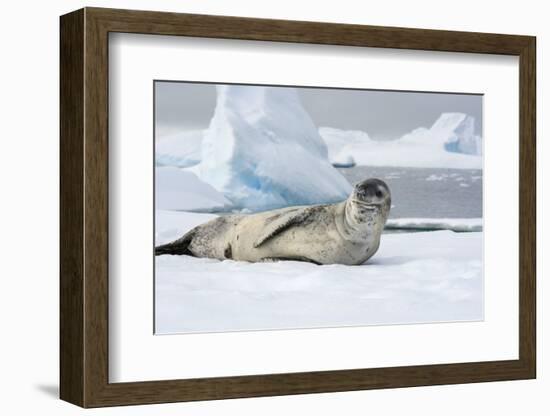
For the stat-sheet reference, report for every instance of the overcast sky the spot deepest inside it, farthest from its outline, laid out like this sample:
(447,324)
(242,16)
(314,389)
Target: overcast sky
(382,114)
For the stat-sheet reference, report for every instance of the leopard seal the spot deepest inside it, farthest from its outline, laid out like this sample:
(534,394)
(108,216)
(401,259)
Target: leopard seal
(343,233)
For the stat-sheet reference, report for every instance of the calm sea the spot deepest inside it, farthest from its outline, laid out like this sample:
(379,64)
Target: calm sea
(427,193)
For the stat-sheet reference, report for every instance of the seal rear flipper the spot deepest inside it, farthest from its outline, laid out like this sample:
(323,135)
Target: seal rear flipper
(179,246)
(282,222)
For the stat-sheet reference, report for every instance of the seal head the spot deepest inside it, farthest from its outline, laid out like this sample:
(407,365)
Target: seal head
(367,209)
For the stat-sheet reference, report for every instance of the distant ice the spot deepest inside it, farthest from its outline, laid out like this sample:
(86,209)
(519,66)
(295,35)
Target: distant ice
(449,143)
(344,161)
(419,277)
(454,224)
(434,177)
(343,144)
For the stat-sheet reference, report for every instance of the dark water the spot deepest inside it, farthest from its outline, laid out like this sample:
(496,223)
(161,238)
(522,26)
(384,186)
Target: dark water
(427,193)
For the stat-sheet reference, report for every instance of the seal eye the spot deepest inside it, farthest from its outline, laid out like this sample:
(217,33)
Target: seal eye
(379,193)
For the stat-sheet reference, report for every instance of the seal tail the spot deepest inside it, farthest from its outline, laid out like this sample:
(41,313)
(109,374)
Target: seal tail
(179,246)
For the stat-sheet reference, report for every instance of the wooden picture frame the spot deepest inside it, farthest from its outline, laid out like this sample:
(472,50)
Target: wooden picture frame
(84,207)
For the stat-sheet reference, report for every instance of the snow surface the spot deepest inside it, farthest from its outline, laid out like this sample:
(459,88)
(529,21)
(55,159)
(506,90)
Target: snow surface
(177,189)
(449,143)
(263,151)
(414,278)
(181,149)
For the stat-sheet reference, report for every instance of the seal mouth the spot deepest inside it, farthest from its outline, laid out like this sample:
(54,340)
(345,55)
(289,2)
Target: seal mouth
(368,205)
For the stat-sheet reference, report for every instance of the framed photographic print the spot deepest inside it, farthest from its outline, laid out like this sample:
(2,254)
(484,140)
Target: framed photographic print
(255,207)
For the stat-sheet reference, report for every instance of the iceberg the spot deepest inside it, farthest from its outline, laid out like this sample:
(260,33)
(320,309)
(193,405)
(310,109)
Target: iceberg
(181,149)
(262,151)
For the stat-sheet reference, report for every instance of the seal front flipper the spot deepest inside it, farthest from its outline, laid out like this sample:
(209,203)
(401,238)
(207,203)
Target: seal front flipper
(295,258)
(179,246)
(281,222)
